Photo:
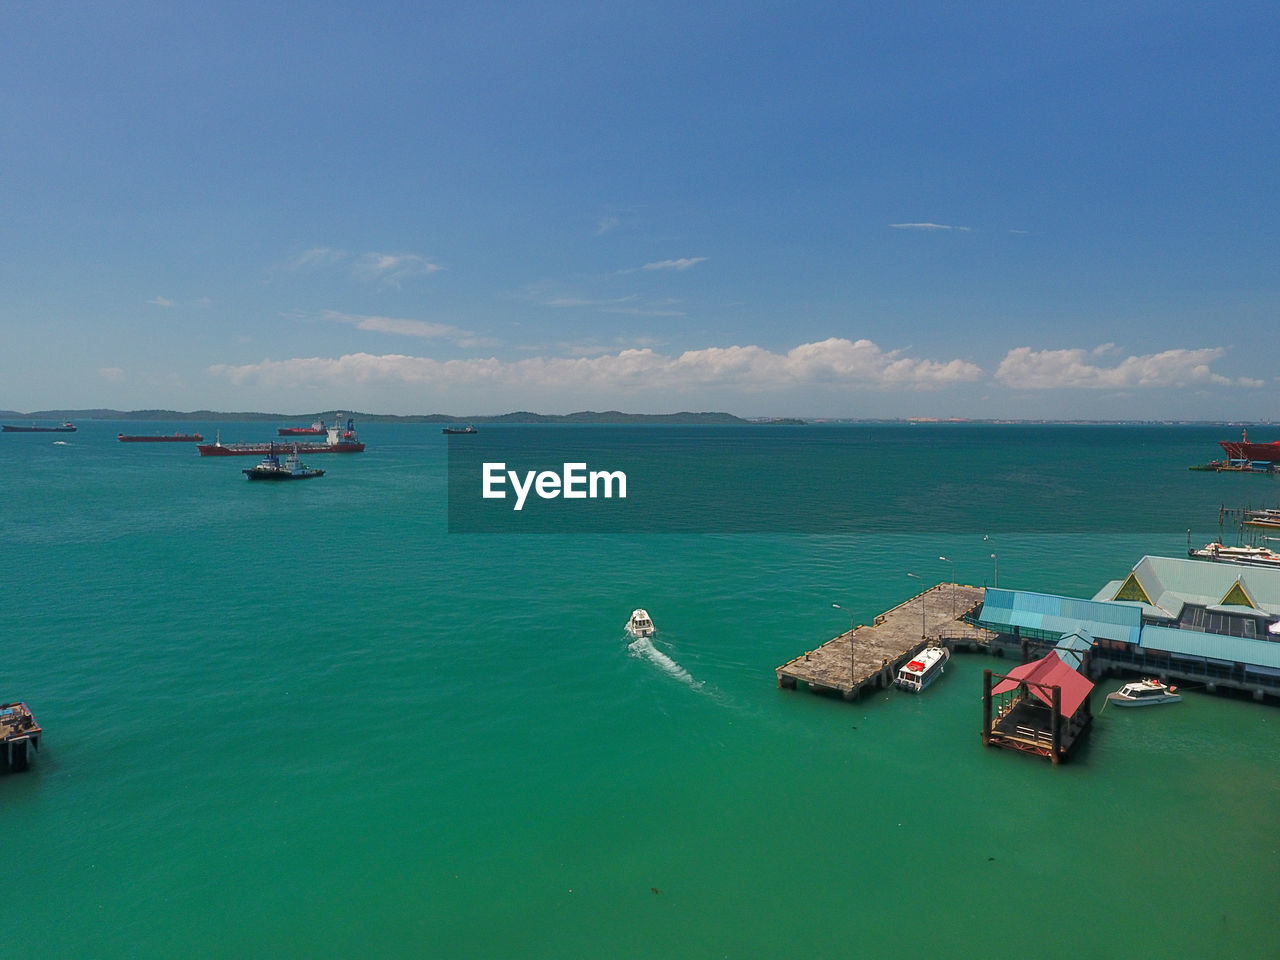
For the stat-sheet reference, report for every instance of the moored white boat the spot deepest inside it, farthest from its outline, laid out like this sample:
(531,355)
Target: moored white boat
(1144,693)
(922,669)
(1252,556)
(640,624)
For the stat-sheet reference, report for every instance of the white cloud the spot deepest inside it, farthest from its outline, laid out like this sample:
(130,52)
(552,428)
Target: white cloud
(315,258)
(391,268)
(1026,369)
(630,305)
(587,302)
(111,374)
(385,268)
(850,364)
(684,263)
(404,327)
(928,226)
(162,302)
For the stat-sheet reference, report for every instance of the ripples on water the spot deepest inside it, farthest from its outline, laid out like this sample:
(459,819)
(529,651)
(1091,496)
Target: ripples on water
(303,719)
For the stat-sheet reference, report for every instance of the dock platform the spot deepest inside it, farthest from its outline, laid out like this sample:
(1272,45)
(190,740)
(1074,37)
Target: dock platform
(18,733)
(869,656)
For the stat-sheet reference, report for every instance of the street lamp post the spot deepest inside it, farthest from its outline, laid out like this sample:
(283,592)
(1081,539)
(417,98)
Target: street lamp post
(923,632)
(996,560)
(953,585)
(853,673)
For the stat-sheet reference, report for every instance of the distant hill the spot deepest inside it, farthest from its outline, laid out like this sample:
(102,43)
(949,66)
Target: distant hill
(523,416)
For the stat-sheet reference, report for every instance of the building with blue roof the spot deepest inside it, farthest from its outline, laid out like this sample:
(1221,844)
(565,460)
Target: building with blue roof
(1189,620)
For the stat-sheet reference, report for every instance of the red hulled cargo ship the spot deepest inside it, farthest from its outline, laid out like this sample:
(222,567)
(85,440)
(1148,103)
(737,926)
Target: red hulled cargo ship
(317,429)
(1243,449)
(338,440)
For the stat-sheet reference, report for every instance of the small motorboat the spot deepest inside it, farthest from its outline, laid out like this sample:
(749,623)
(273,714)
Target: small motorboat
(272,469)
(1144,693)
(640,624)
(924,668)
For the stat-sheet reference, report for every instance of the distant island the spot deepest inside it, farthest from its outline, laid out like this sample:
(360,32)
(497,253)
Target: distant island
(583,416)
(522,416)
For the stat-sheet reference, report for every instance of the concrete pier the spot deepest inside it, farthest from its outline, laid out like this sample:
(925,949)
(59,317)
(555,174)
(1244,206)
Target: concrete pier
(869,656)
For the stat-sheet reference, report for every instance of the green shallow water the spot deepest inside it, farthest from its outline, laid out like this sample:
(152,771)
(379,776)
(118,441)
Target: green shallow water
(304,720)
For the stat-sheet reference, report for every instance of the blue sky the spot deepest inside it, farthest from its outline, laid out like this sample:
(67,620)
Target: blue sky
(812,209)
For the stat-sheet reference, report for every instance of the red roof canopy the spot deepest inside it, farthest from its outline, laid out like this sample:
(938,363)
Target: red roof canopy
(1049,671)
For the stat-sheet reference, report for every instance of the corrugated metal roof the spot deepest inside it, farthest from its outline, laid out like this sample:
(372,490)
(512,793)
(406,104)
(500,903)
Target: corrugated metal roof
(1171,582)
(1076,640)
(1072,647)
(1005,609)
(1193,643)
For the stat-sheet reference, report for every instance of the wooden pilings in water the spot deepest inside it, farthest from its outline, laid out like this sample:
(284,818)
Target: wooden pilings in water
(1017,720)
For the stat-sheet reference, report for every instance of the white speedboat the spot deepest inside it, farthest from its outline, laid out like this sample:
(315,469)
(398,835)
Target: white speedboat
(640,625)
(924,668)
(1144,693)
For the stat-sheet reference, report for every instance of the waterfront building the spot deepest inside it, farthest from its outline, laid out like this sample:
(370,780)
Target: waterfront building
(1175,618)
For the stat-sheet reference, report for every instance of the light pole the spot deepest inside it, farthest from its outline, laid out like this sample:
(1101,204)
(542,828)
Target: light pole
(953,585)
(853,674)
(923,632)
(997,565)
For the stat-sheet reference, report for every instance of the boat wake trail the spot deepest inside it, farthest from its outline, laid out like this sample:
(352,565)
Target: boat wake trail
(643,648)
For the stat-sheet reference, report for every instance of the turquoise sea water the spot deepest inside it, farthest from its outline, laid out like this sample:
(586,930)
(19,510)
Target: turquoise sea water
(304,720)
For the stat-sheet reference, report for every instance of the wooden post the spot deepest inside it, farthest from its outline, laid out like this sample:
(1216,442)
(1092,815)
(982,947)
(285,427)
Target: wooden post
(1055,723)
(986,708)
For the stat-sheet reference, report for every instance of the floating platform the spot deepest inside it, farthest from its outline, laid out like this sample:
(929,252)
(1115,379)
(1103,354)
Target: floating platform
(1236,466)
(869,656)
(19,732)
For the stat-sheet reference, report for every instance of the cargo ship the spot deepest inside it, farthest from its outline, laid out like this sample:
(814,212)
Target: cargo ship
(337,440)
(1243,449)
(67,427)
(317,429)
(160,438)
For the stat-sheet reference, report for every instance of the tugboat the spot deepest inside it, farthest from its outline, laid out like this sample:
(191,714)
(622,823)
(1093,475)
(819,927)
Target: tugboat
(272,469)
